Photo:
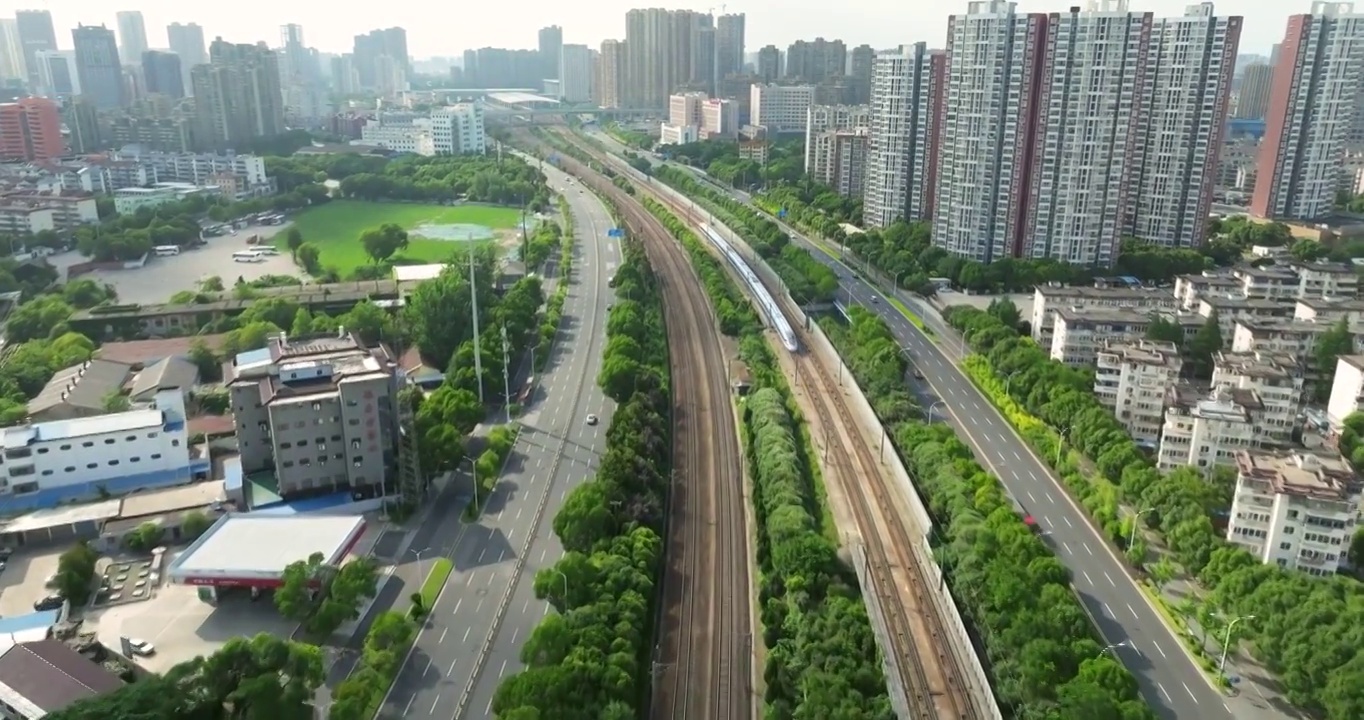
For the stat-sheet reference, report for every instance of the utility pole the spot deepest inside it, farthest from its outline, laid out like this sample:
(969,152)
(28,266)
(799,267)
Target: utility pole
(473,304)
(506,373)
(525,239)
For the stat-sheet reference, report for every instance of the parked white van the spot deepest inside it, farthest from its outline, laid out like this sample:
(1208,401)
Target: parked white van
(248,256)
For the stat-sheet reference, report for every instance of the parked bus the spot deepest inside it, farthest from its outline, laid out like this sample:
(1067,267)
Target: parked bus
(164,250)
(248,256)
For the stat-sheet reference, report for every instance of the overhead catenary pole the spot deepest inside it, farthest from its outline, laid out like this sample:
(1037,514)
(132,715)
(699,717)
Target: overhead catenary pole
(473,303)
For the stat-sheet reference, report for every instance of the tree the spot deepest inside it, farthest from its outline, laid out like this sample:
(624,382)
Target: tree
(350,585)
(1329,347)
(212,283)
(203,357)
(264,677)
(1163,330)
(38,318)
(382,242)
(145,537)
(115,401)
(193,524)
(309,257)
(294,596)
(76,573)
(293,240)
(1204,345)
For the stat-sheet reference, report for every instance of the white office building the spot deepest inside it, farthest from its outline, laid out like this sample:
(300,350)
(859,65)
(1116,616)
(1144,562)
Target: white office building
(780,108)
(1088,113)
(52,462)
(993,56)
(459,130)
(902,147)
(1182,112)
(1131,379)
(1298,510)
(720,119)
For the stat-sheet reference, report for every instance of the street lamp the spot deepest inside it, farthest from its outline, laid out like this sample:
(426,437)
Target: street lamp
(1226,642)
(420,570)
(1008,380)
(897,280)
(930,410)
(1061,443)
(473,473)
(1114,646)
(561,574)
(1132,535)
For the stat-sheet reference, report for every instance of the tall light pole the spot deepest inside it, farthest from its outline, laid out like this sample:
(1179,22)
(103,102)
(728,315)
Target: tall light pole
(421,569)
(561,574)
(1008,380)
(1226,642)
(506,373)
(473,473)
(1061,443)
(1132,536)
(1113,646)
(930,410)
(473,304)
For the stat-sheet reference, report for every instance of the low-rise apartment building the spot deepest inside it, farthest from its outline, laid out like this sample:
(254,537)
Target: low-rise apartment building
(1191,289)
(1292,337)
(1048,300)
(1295,509)
(1347,390)
(1131,379)
(1276,378)
(130,200)
(18,218)
(1080,333)
(1326,279)
(318,413)
(1229,310)
(1206,430)
(1333,310)
(68,210)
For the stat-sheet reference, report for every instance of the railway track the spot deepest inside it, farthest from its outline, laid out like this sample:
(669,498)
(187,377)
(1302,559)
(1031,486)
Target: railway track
(703,665)
(930,670)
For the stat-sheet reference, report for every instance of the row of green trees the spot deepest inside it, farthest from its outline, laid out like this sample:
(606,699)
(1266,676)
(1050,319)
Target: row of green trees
(256,677)
(1044,657)
(360,695)
(805,278)
(1303,628)
(554,307)
(822,660)
(324,597)
(591,659)
(784,164)
(504,180)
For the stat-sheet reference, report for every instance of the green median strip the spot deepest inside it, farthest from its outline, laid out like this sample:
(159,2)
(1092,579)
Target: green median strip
(435,580)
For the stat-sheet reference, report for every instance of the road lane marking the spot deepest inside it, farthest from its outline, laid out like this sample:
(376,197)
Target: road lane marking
(434,703)
(482,553)
(1158,648)
(457,604)
(976,405)
(1162,692)
(1020,457)
(542,555)
(525,606)
(1091,552)
(503,671)
(515,632)
(1048,494)
(1131,610)
(408,706)
(453,663)
(1186,689)
(466,639)
(1082,572)
(441,640)
(1110,582)
(428,666)
(1063,517)
(479,606)
(518,512)
(1034,476)
(1031,499)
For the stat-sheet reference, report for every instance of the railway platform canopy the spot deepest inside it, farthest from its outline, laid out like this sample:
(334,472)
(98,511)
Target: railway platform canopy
(251,550)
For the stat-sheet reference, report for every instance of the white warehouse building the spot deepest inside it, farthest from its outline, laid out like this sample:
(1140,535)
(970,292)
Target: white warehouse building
(46,464)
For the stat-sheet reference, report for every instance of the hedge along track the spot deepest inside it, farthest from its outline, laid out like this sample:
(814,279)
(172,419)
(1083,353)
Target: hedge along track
(919,640)
(703,665)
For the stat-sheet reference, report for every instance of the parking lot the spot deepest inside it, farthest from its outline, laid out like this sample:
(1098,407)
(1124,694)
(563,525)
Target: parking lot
(162,277)
(22,582)
(181,626)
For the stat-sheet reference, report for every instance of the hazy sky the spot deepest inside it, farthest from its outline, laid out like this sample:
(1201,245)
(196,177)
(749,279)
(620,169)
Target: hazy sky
(447,27)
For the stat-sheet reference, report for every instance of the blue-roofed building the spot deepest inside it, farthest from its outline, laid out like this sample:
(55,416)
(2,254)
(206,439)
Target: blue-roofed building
(29,627)
(1246,127)
(50,463)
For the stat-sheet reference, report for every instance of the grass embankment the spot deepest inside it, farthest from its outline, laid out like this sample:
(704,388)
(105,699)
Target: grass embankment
(336,226)
(822,659)
(435,580)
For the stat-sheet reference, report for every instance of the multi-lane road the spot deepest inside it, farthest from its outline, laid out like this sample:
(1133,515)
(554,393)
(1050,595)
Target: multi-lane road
(487,609)
(1168,678)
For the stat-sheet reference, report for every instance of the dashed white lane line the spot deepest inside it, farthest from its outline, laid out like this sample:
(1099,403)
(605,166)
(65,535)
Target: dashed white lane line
(1187,690)
(1110,582)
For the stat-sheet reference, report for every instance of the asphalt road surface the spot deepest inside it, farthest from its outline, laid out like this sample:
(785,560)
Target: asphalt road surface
(1168,678)
(487,609)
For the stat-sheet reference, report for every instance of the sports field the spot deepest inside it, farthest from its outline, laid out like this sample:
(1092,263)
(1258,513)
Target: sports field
(335,228)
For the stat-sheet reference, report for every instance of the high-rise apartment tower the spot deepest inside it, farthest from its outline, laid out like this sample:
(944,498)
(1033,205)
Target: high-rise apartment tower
(902,145)
(1313,105)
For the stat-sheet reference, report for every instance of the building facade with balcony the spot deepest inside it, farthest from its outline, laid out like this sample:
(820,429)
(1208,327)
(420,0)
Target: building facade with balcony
(1203,431)
(1276,378)
(1295,509)
(1131,379)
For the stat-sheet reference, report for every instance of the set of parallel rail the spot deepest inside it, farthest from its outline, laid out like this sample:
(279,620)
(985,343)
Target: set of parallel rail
(931,673)
(703,665)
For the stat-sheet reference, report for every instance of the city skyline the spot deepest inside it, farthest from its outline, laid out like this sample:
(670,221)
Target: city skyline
(250,21)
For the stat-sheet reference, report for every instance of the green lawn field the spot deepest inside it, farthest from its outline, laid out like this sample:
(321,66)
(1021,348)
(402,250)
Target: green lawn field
(335,229)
